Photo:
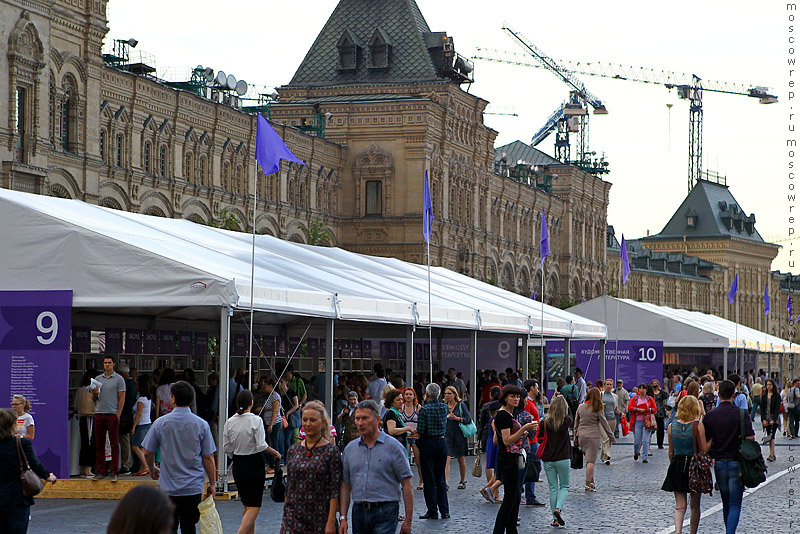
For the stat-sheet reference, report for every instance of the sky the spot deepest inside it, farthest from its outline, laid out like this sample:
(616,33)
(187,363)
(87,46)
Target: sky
(645,142)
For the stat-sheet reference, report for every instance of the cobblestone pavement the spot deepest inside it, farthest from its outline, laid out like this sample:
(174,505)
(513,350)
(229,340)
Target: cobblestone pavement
(628,495)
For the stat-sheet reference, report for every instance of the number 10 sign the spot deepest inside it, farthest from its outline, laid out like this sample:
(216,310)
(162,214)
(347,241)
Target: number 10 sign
(34,362)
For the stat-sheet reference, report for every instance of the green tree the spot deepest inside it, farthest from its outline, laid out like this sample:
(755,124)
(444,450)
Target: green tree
(317,234)
(565,303)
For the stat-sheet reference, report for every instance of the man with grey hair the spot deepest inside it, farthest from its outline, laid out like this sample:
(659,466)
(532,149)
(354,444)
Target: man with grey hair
(431,425)
(374,471)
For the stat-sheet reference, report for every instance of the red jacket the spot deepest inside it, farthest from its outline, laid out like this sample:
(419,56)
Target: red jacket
(531,408)
(651,404)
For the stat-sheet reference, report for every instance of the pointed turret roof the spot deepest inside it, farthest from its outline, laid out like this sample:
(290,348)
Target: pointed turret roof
(708,211)
(401,25)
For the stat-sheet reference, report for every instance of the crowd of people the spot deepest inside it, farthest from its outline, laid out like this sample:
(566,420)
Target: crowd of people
(164,425)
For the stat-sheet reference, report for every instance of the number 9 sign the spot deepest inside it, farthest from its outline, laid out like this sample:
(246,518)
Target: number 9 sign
(504,349)
(47,324)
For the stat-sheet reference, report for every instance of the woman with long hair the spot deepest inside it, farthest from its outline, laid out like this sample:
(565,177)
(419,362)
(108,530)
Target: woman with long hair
(457,413)
(589,419)
(660,396)
(509,439)
(409,413)
(145,509)
(268,405)
(693,389)
(163,394)
(556,456)
(313,477)
(642,406)
(784,395)
(243,437)
(680,435)
(142,422)
(770,411)
(393,419)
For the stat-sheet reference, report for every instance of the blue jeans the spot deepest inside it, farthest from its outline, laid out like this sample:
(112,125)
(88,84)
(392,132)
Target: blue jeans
(530,493)
(731,491)
(14,519)
(641,439)
(273,439)
(375,520)
(285,441)
(558,482)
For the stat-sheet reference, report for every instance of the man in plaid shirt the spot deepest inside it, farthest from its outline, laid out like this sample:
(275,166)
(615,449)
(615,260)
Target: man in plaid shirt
(431,424)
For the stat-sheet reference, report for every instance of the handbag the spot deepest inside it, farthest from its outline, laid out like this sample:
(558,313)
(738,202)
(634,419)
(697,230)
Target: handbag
(277,491)
(32,485)
(542,445)
(650,422)
(295,420)
(699,468)
(577,457)
(534,470)
(477,471)
(624,424)
(468,429)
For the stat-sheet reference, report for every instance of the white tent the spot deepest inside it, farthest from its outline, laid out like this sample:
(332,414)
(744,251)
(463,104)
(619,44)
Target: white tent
(116,259)
(677,327)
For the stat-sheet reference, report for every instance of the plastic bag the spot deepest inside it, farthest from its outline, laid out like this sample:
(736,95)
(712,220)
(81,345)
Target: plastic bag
(210,522)
(624,423)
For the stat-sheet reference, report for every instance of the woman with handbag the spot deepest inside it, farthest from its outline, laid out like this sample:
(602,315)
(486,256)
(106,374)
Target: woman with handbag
(457,414)
(643,408)
(509,458)
(686,437)
(770,412)
(555,450)
(589,419)
(15,453)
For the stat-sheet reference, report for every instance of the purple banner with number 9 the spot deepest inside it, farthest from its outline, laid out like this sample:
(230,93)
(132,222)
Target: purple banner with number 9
(34,362)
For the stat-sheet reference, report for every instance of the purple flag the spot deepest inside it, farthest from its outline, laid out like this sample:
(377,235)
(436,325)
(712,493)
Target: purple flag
(626,265)
(427,211)
(534,295)
(270,148)
(734,288)
(544,239)
(766,300)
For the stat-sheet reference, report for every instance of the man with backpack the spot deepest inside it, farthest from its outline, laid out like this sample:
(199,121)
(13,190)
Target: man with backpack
(570,394)
(723,427)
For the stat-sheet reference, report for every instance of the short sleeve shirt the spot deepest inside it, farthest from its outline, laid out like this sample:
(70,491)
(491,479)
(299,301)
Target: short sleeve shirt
(108,398)
(23,422)
(503,420)
(374,473)
(183,439)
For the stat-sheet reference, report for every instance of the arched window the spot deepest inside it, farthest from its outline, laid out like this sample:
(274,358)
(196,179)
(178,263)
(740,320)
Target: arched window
(120,146)
(147,156)
(162,160)
(201,171)
(187,168)
(239,186)
(226,176)
(66,112)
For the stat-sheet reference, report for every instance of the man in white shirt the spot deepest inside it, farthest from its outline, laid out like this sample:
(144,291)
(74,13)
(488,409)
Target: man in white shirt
(581,384)
(375,387)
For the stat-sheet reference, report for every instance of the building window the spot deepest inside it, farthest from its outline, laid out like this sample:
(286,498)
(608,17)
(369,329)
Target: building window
(374,198)
(379,50)
(201,171)
(226,176)
(120,148)
(147,157)
(348,52)
(239,185)
(103,145)
(162,160)
(19,125)
(65,120)
(187,168)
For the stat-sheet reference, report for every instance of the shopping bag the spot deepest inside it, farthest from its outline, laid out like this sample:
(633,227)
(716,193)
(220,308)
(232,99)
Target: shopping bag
(476,467)
(625,428)
(278,489)
(209,518)
(577,458)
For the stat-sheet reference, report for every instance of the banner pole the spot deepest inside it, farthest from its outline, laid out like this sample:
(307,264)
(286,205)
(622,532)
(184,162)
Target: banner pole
(252,275)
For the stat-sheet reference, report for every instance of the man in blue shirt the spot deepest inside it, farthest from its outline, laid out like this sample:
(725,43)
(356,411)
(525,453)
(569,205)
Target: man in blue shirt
(187,457)
(374,470)
(739,398)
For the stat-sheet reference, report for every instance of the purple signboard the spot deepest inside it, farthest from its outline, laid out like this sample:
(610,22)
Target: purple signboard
(185,342)
(493,353)
(133,341)
(34,362)
(634,362)
(150,341)
(201,343)
(166,342)
(81,339)
(113,340)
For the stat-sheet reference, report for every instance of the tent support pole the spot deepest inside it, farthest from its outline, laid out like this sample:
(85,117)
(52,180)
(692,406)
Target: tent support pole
(410,356)
(224,379)
(473,377)
(523,357)
(566,357)
(543,366)
(603,362)
(725,363)
(329,366)
(769,365)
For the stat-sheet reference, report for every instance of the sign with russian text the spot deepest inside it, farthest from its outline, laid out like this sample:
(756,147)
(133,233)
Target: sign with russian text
(34,362)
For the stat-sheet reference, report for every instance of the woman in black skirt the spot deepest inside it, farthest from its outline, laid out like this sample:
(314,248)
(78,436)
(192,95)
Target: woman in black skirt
(681,449)
(244,439)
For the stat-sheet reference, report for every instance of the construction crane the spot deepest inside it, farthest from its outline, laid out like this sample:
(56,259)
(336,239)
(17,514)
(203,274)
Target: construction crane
(570,117)
(689,86)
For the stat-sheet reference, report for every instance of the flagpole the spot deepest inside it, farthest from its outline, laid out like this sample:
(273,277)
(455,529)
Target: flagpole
(430,315)
(736,332)
(252,273)
(542,355)
(616,329)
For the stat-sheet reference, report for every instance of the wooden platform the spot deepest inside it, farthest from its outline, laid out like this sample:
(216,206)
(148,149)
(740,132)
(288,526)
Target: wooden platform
(83,488)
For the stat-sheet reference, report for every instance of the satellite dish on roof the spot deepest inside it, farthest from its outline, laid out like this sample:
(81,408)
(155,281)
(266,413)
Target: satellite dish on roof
(208,74)
(231,81)
(222,78)
(241,87)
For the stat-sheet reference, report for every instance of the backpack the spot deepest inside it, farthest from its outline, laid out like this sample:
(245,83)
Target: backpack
(571,397)
(752,469)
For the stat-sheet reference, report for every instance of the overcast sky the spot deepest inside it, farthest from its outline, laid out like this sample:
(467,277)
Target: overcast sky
(645,142)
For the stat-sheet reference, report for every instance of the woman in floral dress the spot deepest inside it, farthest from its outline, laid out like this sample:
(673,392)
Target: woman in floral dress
(313,477)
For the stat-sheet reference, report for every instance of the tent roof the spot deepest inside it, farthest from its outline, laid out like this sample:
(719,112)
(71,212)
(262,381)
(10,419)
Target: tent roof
(116,260)
(676,327)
